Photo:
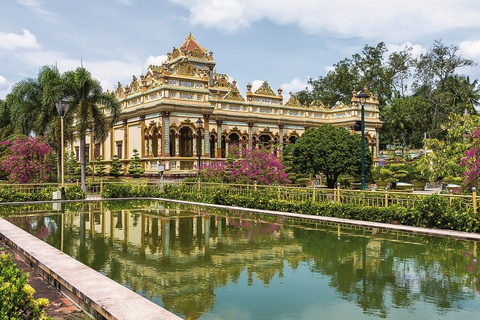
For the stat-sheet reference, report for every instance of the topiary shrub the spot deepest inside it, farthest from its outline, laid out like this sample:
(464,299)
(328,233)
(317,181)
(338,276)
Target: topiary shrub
(16,296)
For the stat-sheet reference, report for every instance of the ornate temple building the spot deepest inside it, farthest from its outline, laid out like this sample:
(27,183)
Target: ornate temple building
(171,108)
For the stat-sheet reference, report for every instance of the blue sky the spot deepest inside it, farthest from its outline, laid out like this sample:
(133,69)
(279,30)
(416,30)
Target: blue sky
(282,41)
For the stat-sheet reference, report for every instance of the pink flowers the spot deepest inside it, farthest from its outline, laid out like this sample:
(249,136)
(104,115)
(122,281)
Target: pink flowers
(25,160)
(471,162)
(246,166)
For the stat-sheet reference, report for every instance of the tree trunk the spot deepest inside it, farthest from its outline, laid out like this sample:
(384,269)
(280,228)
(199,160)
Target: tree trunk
(83,167)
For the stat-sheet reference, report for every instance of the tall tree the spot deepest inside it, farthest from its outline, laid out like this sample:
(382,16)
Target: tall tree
(92,108)
(331,151)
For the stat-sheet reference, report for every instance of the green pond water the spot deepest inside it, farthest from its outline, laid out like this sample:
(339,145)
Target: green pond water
(205,263)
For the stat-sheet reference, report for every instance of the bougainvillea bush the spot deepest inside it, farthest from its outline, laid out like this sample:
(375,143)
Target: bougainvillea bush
(246,166)
(25,159)
(471,163)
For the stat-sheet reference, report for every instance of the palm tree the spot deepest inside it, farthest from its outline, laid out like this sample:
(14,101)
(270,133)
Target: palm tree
(92,108)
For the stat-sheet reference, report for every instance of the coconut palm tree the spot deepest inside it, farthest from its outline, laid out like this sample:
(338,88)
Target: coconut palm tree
(92,108)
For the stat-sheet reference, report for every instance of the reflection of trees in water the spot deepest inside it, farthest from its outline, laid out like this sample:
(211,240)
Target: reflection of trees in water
(363,268)
(391,274)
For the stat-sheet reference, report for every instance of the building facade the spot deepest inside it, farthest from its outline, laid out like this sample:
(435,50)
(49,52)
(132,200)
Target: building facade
(162,110)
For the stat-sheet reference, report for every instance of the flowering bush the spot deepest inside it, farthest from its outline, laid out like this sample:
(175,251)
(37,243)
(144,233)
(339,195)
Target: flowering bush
(26,160)
(471,163)
(246,166)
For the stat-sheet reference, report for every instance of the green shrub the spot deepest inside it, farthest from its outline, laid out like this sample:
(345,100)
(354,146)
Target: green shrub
(16,296)
(74,193)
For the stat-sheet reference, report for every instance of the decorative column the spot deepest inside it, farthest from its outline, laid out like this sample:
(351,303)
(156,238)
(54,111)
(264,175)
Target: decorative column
(219,138)
(280,132)
(206,139)
(250,135)
(142,143)
(377,136)
(125,139)
(165,151)
(177,144)
(112,143)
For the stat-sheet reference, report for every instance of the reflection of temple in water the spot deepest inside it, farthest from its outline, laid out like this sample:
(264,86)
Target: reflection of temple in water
(181,258)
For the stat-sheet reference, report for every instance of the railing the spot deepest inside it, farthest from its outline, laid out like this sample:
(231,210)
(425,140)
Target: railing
(343,196)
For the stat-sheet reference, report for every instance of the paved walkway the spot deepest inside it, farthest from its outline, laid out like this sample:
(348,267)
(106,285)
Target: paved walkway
(59,307)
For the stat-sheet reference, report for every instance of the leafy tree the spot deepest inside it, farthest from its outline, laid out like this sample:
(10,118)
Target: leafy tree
(71,164)
(445,159)
(135,166)
(26,160)
(116,169)
(100,170)
(92,108)
(331,151)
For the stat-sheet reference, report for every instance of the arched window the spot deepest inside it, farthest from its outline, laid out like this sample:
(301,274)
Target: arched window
(186,142)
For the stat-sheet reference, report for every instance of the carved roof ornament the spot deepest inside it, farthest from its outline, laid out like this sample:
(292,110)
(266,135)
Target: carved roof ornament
(190,48)
(220,80)
(134,86)
(317,105)
(339,105)
(265,90)
(185,68)
(293,101)
(233,94)
(120,91)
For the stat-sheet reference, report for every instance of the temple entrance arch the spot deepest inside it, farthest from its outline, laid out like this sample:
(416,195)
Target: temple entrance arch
(224,147)
(172,143)
(155,142)
(292,139)
(234,139)
(213,145)
(185,143)
(264,141)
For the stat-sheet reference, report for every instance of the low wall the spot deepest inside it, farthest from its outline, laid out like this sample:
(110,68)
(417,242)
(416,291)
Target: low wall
(98,295)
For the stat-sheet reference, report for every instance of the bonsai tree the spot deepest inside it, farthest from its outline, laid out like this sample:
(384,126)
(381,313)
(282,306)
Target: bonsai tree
(135,167)
(100,169)
(116,169)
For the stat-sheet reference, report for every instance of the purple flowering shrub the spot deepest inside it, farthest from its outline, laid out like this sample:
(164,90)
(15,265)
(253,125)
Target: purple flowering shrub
(25,159)
(471,163)
(246,166)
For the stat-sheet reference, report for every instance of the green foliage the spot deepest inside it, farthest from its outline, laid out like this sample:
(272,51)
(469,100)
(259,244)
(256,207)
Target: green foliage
(16,296)
(100,170)
(116,169)
(18,195)
(135,167)
(331,151)
(71,164)
(111,191)
(445,159)
(74,193)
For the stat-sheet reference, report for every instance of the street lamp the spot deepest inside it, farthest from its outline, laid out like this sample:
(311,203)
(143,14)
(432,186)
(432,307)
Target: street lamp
(199,141)
(62,108)
(362,97)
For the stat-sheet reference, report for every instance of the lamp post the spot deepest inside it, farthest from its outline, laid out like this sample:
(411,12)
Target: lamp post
(362,97)
(62,108)
(199,142)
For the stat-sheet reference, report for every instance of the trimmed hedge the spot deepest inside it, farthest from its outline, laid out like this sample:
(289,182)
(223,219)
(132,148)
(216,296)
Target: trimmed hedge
(45,194)
(429,212)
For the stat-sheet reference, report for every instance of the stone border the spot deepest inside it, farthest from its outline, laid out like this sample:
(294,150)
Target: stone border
(95,293)
(361,223)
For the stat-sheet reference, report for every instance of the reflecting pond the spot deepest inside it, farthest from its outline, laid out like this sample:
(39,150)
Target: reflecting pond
(203,263)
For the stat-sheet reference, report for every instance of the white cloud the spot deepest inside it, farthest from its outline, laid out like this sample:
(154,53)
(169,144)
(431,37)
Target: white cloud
(294,86)
(108,72)
(12,41)
(256,84)
(470,49)
(406,18)
(34,5)
(416,49)
(155,60)
(3,83)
